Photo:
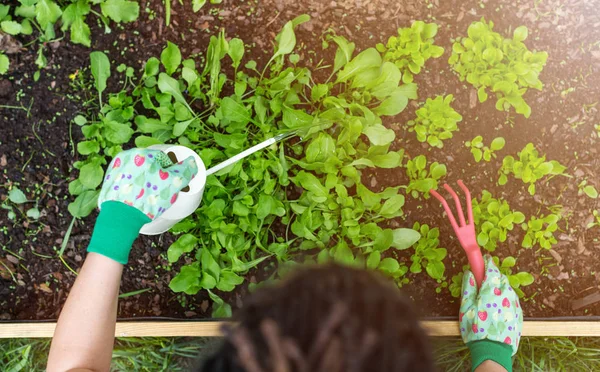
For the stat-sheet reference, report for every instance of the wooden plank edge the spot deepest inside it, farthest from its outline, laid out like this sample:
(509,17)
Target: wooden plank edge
(435,328)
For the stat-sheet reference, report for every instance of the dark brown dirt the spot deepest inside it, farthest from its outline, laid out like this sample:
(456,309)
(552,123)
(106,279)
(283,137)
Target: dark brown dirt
(36,152)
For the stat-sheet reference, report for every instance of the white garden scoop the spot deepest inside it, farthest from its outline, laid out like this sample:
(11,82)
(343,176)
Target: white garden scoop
(188,201)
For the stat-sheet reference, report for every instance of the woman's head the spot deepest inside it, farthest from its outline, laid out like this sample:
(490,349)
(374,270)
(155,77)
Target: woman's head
(327,318)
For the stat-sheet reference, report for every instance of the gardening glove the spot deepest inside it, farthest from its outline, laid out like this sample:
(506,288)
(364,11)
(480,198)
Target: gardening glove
(490,318)
(139,186)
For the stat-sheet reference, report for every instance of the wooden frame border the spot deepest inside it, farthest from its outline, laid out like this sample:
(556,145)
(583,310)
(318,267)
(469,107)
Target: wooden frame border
(436,328)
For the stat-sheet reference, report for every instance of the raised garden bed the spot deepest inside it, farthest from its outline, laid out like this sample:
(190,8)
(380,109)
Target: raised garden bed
(38,147)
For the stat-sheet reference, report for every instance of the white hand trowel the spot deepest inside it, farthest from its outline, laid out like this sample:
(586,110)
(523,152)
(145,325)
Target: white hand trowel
(188,201)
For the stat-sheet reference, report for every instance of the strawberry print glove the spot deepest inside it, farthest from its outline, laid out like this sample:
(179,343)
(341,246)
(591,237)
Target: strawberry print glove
(139,186)
(490,318)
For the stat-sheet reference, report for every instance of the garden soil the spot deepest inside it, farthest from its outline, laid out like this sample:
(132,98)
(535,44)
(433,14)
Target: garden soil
(37,145)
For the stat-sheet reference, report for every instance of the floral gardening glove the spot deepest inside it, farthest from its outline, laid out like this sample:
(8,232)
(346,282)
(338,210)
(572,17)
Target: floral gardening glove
(140,185)
(491,318)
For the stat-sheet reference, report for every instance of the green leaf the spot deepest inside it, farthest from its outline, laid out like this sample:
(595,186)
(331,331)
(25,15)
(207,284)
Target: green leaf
(590,191)
(84,204)
(392,207)
(117,133)
(188,280)
(520,33)
(498,144)
(236,51)
(11,27)
(80,32)
(228,281)
(100,70)
(171,57)
(379,135)
(365,60)
(185,244)
(33,213)
(524,278)
(373,260)
(286,40)
(343,53)
(435,269)
(17,196)
(47,13)
(482,94)
(91,175)
(221,309)
(392,105)
(383,240)
(197,5)
(4,64)
(438,171)
(88,147)
(508,262)
(120,10)
(320,149)
(152,66)
(167,84)
(318,92)
(343,254)
(405,238)
(389,266)
(234,111)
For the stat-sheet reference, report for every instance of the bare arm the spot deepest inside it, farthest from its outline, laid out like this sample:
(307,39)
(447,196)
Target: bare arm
(490,366)
(84,335)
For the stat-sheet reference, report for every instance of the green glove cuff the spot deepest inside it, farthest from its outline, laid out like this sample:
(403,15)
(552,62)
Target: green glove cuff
(117,226)
(483,350)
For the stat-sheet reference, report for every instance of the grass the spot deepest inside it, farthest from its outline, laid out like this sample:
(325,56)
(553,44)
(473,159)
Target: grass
(535,354)
(130,354)
(179,354)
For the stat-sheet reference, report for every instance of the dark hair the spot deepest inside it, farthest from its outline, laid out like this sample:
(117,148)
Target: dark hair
(326,318)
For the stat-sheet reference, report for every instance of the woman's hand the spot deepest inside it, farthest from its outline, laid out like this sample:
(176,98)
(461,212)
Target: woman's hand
(490,317)
(139,186)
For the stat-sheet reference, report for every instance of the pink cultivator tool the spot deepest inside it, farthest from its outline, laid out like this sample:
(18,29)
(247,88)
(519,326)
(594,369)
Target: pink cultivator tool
(465,232)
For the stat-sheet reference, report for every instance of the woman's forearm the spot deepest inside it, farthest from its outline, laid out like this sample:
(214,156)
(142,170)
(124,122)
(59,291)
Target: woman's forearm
(84,335)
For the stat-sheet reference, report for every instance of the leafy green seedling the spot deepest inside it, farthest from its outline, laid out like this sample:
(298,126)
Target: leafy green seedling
(596,221)
(480,151)
(427,254)
(435,121)
(540,231)
(412,47)
(17,197)
(589,190)
(503,66)
(421,180)
(455,285)
(529,168)
(493,218)
(517,280)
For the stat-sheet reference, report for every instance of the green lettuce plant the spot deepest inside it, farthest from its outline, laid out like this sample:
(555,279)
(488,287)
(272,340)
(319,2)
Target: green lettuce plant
(493,63)
(480,151)
(493,218)
(529,167)
(421,179)
(540,230)
(412,47)
(435,121)
(427,254)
